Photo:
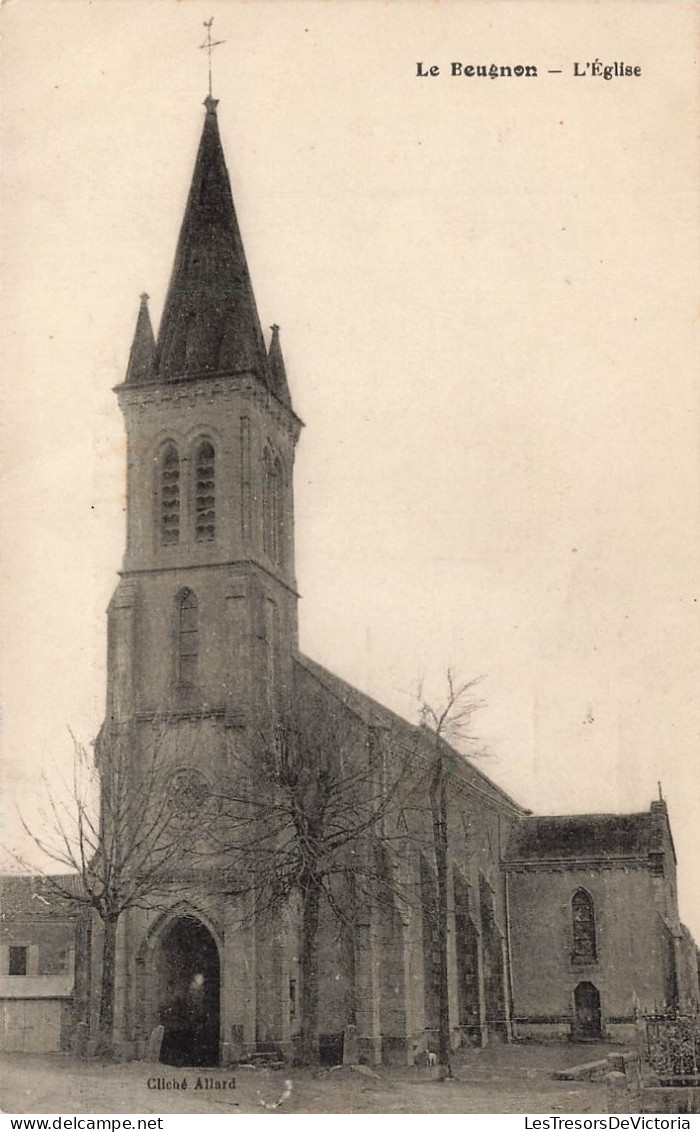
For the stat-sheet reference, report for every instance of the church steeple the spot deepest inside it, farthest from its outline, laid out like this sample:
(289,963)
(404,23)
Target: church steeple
(210,322)
(208,576)
(143,347)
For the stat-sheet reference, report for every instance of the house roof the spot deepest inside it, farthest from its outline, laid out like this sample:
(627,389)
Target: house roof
(33,896)
(582,836)
(374,714)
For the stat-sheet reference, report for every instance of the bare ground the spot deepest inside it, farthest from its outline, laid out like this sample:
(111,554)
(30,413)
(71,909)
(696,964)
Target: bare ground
(499,1079)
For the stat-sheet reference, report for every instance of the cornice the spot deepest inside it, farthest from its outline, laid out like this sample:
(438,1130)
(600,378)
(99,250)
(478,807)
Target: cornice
(188,390)
(573,864)
(542,1020)
(179,715)
(247,563)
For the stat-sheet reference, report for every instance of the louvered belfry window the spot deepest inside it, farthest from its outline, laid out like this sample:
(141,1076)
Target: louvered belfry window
(583,918)
(205,493)
(170,497)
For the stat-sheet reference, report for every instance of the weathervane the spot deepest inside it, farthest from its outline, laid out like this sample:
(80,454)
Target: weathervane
(210,44)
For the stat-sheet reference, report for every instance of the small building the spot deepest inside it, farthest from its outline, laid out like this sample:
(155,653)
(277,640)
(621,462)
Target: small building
(39,934)
(596,938)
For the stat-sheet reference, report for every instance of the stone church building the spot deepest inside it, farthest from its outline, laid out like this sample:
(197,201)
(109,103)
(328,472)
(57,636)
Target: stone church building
(558,926)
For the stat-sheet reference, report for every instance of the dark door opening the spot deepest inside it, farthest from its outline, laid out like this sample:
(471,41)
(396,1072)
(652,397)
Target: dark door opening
(188,981)
(586,1011)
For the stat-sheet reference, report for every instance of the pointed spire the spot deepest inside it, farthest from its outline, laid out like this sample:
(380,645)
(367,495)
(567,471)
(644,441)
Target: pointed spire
(278,372)
(210,321)
(143,346)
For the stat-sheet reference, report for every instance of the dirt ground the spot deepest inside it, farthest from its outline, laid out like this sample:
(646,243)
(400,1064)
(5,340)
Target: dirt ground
(499,1079)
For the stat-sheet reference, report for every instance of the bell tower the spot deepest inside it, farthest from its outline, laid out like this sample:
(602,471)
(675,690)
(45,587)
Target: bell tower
(203,624)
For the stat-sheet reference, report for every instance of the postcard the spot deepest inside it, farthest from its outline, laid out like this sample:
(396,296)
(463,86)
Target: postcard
(350,623)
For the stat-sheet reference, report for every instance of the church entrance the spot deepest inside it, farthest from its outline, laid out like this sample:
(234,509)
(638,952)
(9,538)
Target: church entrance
(187,966)
(586,1011)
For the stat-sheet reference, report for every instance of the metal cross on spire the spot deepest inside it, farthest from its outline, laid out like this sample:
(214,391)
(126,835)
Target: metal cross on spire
(209,44)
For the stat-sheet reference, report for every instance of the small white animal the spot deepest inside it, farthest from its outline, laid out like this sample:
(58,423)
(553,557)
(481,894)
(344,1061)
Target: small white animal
(430,1057)
(275,1104)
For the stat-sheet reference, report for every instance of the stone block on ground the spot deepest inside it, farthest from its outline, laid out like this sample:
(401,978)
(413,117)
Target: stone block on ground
(350,1048)
(618,1097)
(155,1042)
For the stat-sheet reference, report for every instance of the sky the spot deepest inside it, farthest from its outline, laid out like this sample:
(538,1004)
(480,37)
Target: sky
(487,298)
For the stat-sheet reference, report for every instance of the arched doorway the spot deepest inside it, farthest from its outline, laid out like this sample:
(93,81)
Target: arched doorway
(586,1011)
(187,965)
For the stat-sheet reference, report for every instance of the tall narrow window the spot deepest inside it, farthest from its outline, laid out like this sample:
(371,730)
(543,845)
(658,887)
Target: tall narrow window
(277,510)
(205,493)
(583,919)
(188,639)
(170,497)
(267,503)
(272,507)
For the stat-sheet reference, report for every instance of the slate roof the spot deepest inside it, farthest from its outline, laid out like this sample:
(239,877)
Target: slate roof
(582,836)
(374,714)
(23,897)
(210,320)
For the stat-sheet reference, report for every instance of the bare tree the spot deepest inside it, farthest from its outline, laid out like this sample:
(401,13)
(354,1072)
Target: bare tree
(118,828)
(450,728)
(300,820)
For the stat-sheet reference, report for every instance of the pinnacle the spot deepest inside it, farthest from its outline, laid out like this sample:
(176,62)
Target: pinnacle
(143,346)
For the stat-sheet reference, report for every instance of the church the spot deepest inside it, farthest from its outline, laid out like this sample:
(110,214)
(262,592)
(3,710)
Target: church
(557,926)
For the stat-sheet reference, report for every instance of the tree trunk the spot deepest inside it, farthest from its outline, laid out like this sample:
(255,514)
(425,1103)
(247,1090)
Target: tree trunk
(309,974)
(106,1017)
(438,806)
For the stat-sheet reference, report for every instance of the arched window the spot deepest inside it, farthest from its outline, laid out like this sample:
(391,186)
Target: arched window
(205,493)
(267,502)
(170,496)
(273,509)
(187,639)
(278,511)
(583,920)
